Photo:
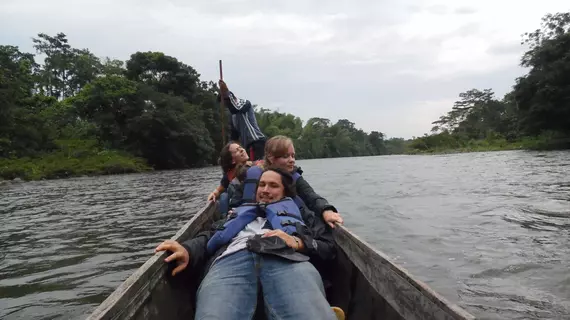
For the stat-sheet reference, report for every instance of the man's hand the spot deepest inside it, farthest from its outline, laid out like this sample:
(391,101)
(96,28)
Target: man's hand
(291,241)
(331,217)
(179,254)
(223,86)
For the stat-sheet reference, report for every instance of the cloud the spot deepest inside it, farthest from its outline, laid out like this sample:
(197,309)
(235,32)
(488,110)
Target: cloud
(465,10)
(387,65)
(507,48)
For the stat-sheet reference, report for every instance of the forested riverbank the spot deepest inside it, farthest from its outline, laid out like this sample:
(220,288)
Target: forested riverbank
(66,112)
(76,114)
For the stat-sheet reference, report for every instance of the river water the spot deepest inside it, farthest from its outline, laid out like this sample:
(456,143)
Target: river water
(489,231)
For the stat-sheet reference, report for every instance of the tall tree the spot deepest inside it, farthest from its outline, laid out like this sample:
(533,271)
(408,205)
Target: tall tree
(161,128)
(165,74)
(543,95)
(22,131)
(65,69)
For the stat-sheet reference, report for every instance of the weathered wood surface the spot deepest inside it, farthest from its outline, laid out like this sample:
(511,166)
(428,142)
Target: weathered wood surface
(148,293)
(352,292)
(380,289)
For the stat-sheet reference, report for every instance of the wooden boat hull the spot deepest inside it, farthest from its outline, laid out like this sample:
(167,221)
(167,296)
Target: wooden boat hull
(366,285)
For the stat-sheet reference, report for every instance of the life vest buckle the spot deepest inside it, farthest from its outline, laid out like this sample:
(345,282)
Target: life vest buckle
(287,223)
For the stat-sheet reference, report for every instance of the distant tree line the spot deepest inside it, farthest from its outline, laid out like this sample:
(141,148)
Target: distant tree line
(535,114)
(320,138)
(75,114)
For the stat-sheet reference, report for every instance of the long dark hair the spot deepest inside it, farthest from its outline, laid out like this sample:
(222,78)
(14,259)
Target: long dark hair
(226,158)
(289,186)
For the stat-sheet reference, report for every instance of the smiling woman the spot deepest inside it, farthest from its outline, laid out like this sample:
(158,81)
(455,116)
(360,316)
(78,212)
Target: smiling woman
(280,153)
(232,155)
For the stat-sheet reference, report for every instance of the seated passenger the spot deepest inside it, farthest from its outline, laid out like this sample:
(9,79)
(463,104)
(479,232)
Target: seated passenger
(234,190)
(280,152)
(231,155)
(263,246)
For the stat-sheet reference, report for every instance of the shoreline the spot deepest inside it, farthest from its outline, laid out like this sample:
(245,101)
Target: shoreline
(59,165)
(26,169)
(526,144)
(468,150)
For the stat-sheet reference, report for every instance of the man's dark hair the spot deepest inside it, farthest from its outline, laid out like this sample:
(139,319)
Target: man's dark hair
(289,185)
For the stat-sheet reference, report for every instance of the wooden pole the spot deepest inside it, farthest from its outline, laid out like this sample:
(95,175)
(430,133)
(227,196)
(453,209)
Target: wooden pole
(222,108)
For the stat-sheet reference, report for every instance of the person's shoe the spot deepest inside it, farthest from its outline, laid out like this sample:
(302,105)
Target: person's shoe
(338,313)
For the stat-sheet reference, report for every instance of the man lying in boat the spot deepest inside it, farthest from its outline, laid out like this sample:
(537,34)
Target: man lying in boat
(264,246)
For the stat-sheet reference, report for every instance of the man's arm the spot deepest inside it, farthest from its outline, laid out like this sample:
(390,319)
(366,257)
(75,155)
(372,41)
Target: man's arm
(234,104)
(234,132)
(196,248)
(318,242)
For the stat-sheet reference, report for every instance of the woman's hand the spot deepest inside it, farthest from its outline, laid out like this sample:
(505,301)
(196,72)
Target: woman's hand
(291,241)
(331,217)
(213,195)
(179,254)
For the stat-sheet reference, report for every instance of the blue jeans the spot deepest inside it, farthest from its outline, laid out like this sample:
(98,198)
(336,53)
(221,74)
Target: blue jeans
(224,203)
(291,290)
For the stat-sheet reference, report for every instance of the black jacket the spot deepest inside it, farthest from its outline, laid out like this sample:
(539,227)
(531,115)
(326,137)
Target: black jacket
(319,245)
(242,120)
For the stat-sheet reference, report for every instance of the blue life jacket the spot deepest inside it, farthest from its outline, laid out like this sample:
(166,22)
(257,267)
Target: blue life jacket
(282,215)
(250,185)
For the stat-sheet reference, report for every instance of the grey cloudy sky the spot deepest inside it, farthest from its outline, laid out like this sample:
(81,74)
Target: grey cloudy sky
(387,65)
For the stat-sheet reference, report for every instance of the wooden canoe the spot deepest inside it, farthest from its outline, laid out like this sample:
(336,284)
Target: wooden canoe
(367,285)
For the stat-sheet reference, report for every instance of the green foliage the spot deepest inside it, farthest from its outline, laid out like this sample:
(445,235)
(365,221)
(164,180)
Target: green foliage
(77,114)
(273,123)
(164,74)
(75,158)
(395,146)
(319,138)
(65,70)
(543,95)
(535,115)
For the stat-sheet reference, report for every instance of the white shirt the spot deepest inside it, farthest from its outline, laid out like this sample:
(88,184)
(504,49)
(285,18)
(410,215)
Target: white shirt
(239,242)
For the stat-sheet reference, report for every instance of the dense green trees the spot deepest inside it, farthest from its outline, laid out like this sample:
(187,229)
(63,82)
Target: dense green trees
(535,114)
(75,113)
(319,138)
(543,95)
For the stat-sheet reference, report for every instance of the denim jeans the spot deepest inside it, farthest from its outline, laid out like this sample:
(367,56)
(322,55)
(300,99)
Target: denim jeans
(291,290)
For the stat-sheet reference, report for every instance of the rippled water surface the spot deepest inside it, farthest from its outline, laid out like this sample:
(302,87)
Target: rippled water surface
(489,231)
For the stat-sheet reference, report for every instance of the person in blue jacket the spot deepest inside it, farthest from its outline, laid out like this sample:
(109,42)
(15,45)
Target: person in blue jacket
(269,256)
